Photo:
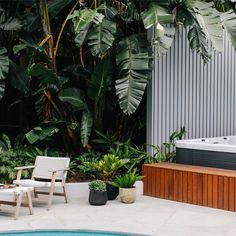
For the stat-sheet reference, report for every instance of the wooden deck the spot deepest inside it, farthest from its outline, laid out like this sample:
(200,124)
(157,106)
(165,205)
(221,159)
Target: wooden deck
(197,185)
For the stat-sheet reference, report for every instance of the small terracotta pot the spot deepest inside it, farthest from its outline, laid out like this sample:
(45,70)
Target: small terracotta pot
(128,195)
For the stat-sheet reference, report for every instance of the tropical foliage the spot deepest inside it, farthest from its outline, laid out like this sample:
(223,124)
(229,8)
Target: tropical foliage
(72,69)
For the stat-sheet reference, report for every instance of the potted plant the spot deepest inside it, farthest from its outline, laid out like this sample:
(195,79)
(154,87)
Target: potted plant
(97,193)
(126,186)
(108,169)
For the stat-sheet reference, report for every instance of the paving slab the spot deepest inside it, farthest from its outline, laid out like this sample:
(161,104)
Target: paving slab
(149,216)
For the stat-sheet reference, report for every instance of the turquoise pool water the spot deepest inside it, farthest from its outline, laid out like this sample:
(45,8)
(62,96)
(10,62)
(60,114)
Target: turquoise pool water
(62,233)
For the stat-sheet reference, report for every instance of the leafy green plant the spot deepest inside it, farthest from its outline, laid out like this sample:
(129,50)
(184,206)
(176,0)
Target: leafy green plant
(128,180)
(15,154)
(97,185)
(109,167)
(167,153)
(85,164)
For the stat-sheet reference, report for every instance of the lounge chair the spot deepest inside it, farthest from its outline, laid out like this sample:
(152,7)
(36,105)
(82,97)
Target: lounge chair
(48,172)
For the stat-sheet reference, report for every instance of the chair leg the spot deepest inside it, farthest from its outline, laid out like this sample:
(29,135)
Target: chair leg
(18,205)
(35,194)
(51,195)
(29,201)
(65,194)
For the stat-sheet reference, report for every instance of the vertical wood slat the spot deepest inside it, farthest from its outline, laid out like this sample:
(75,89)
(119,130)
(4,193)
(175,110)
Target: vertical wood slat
(231,194)
(204,190)
(226,193)
(162,193)
(153,178)
(158,182)
(149,181)
(171,185)
(144,171)
(195,189)
(210,190)
(176,185)
(215,191)
(190,187)
(200,189)
(167,176)
(220,192)
(185,187)
(180,190)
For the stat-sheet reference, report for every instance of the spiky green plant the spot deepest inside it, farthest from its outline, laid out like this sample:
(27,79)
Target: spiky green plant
(128,180)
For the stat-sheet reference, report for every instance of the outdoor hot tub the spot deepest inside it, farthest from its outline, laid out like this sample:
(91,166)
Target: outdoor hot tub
(217,152)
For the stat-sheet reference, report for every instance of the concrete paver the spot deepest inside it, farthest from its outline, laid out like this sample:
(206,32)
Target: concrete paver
(149,216)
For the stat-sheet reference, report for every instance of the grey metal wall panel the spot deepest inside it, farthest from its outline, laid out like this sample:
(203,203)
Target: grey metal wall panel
(186,92)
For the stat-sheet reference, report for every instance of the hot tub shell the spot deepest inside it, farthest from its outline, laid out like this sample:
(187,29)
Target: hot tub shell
(217,152)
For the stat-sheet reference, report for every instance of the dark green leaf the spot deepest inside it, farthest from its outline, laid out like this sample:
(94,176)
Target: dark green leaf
(2,89)
(229,21)
(100,80)
(198,42)
(155,15)
(39,133)
(47,76)
(207,19)
(19,78)
(26,45)
(11,24)
(134,74)
(56,6)
(101,37)
(86,127)
(72,96)
(4,63)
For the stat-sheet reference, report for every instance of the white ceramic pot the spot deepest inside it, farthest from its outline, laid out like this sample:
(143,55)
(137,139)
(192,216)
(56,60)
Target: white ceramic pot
(128,195)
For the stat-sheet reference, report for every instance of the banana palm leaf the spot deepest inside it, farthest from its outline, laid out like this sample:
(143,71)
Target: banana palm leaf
(47,76)
(101,37)
(101,79)
(86,126)
(72,96)
(19,78)
(55,7)
(40,133)
(2,89)
(4,63)
(229,21)
(207,19)
(155,15)
(11,24)
(134,73)
(163,42)
(4,69)
(198,42)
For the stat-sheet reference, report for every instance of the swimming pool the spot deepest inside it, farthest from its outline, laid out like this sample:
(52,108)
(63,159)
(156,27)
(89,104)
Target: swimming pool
(63,233)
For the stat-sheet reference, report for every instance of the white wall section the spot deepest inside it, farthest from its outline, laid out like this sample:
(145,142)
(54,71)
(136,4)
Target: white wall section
(186,92)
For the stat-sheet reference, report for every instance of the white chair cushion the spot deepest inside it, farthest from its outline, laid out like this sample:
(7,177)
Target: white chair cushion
(34,183)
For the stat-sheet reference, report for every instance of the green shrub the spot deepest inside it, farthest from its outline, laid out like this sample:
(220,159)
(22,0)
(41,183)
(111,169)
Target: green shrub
(128,180)
(109,167)
(85,164)
(97,185)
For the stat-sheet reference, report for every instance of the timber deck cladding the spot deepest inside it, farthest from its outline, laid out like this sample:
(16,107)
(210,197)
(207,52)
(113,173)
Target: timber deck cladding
(204,186)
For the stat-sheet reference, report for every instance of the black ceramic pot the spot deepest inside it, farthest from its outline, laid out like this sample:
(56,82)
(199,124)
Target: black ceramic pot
(97,198)
(112,192)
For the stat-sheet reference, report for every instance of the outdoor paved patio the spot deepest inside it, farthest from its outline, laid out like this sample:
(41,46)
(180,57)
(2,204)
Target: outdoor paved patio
(149,216)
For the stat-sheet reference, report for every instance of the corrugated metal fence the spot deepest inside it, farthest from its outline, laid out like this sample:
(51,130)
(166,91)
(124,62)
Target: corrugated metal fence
(186,92)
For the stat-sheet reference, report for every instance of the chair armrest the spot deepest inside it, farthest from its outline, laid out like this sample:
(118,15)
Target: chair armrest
(24,167)
(20,168)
